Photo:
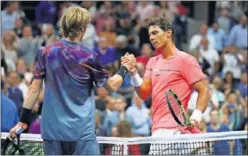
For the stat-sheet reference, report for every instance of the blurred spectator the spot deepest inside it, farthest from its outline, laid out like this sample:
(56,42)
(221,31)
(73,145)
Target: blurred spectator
(45,12)
(99,129)
(126,28)
(238,35)
(140,116)
(9,16)
(123,129)
(91,7)
(21,67)
(48,35)
(144,9)
(110,107)
(116,116)
(230,112)
(106,54)
(7,65)
(236,12)
(122,47)
(220,147)
(90,36)
(169,9)
(146,54)
(131,8)
(232,61)
(9,48)
(127,90)
(104,13)
(109,33)
(18,27)
(224,20)
(196,39)
(208,55)
(217,89)
(229,82)
(9,114)
(28,46)
(242,86)
(219,36)
(14,93)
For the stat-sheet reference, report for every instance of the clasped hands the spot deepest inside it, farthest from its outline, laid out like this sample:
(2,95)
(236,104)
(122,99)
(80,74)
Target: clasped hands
(129,61)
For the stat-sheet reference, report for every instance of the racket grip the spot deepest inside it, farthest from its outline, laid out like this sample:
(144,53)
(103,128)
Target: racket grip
(21,129)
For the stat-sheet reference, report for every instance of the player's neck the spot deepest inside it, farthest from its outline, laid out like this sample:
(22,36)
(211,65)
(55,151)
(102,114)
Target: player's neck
(169,50)
(76,39)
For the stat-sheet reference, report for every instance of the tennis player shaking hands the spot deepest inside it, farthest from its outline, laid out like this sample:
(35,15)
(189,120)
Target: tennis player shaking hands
(70,71)
(170,69)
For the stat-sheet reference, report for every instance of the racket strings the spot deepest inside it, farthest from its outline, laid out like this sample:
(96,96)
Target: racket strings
(176,108)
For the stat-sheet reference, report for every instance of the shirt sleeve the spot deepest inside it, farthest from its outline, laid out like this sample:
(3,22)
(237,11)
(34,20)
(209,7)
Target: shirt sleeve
(99,74)
(39,69)
(191,70)
(148,72)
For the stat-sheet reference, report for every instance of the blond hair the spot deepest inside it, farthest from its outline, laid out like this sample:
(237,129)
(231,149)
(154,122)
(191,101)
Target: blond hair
(74,22)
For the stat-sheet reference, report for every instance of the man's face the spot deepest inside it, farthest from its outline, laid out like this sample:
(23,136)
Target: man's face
(243,20)
(138,101)
(158,37)
(244,78)
(204,29)
(215,26)
(13,79)
(27,31)
(103,43)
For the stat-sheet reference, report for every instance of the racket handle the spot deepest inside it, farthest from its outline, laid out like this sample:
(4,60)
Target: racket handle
(21,129)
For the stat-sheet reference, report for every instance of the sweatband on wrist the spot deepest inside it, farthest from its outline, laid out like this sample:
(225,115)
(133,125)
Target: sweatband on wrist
(196,115)
(136,80)
(122,72)
(25,115)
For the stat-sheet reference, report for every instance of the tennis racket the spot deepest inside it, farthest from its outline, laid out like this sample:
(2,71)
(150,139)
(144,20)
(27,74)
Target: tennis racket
(177,110)
(15,144)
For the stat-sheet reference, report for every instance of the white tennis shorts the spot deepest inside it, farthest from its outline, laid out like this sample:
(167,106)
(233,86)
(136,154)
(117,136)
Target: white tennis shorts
(176,148)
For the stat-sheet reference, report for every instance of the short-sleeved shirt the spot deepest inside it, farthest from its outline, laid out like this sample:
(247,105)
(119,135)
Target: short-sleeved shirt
(177,73)
(69,70)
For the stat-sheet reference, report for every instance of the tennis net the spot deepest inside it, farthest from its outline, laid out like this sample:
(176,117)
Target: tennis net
(223,143)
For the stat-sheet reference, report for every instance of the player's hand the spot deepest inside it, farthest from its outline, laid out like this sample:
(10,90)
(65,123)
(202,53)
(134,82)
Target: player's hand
(194,124)
(12,133)
(129,61)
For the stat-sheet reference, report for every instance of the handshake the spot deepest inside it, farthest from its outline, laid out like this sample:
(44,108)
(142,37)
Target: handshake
(129,61)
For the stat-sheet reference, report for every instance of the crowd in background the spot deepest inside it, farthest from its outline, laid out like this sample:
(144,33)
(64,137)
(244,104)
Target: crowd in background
(117,28)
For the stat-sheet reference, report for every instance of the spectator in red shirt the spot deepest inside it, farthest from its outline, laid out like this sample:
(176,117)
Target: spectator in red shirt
(146,53)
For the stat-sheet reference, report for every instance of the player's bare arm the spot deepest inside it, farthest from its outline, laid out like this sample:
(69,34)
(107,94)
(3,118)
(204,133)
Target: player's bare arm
(33,94)
(115,81)
(142,86)
(202,101)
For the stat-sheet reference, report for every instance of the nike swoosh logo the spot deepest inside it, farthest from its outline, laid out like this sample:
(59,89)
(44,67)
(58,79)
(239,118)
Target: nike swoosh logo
(157,74)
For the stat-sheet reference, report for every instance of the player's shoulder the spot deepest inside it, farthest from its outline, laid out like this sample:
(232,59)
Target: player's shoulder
(154,58)
(185,57)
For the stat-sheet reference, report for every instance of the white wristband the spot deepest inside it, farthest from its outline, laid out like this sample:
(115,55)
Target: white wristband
(136,80)
(196,115)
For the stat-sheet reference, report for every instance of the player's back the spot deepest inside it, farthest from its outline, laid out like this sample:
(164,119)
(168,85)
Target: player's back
(68,107)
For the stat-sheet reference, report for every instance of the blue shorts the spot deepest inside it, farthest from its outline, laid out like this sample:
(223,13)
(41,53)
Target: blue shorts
(88,147)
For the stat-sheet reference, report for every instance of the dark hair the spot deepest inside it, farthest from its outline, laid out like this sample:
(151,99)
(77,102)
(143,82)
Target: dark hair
(162,22)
